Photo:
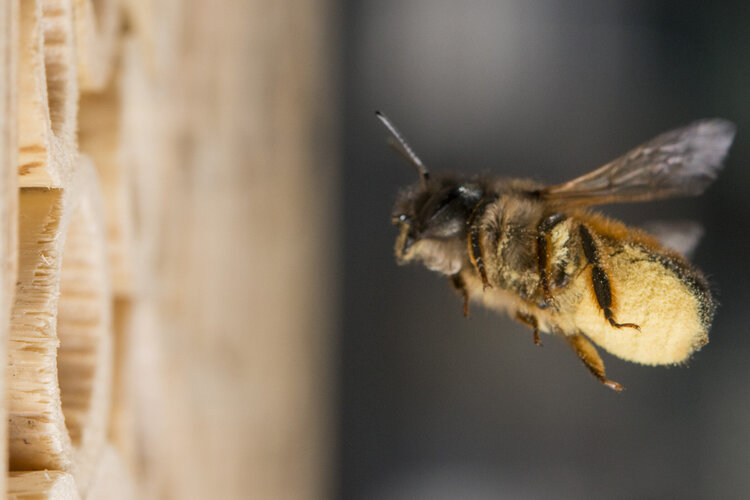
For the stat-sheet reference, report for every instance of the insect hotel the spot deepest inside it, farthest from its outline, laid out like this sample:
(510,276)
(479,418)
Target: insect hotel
(135,342)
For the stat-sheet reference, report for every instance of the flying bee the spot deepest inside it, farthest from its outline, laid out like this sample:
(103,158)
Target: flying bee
(539,253)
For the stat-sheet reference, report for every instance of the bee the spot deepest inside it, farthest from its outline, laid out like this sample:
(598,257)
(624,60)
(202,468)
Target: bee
(542,255)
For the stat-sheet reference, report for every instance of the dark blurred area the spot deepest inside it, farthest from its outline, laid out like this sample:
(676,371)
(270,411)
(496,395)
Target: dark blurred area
(432,405)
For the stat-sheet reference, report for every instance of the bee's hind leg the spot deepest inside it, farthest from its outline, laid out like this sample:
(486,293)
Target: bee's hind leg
(600,280)
(531,322)
(590,357)
(460,286)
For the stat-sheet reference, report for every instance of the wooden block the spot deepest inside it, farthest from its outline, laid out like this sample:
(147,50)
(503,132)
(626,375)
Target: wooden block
(42,485)
(48,93)
(97,25)
(248,281)
(60,340)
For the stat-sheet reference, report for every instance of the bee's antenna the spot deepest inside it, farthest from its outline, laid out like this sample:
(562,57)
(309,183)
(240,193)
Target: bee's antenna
(402,147)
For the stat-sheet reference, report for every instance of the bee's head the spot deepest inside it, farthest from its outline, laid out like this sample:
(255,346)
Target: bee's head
(431,214)
(432,218)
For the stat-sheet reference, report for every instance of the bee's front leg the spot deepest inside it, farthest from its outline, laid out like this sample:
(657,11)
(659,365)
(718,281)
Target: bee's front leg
(587,353)
(460,286)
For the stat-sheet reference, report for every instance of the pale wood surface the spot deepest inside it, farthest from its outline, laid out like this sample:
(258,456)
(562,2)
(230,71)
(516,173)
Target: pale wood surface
(112,479)
(140,427)
(248,280)
(8,197)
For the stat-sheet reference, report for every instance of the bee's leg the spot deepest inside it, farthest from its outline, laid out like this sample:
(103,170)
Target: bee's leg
(600,280)
(475,250)
(587,353)
(460,286)
(474,229)
(542,251)
(531,322)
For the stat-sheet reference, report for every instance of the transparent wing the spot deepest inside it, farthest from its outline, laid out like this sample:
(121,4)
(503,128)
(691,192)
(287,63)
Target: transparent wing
(682,236)
(681,162)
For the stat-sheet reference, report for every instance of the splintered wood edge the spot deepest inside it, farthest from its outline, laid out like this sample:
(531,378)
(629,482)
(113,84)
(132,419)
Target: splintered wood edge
(99,135)
(97,26)
(41,485)
(37,435)
(48,94)
(59,398)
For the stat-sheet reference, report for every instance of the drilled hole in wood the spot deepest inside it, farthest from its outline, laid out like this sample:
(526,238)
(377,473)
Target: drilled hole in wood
(82,325)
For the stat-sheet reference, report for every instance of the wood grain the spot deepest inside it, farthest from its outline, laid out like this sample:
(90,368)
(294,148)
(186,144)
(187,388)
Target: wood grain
(248,280)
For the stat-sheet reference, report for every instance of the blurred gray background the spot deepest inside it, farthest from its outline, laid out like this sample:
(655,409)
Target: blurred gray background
(436,406)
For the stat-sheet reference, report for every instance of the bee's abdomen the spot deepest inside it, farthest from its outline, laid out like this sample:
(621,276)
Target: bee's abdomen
(694,281)
(668,301)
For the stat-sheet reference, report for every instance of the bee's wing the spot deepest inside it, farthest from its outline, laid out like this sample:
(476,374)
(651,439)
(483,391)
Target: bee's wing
(682,236)
(681,162)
